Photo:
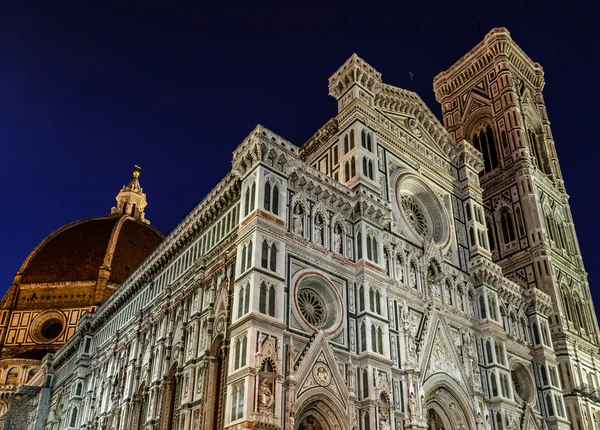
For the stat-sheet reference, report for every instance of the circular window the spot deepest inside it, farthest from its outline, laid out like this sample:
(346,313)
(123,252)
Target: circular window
(318,304)
(47,326)
(51,329)
(421,210)
(414,215)
(522,382)
(312,307)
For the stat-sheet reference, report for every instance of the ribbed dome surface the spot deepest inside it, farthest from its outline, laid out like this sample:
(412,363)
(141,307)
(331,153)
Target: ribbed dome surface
(77,251)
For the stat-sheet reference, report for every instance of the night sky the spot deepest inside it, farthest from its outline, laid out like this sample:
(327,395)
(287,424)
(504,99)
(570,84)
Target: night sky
(87,92)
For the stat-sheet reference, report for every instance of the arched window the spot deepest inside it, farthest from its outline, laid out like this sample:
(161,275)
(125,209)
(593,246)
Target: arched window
(241,348)
(371,296)
(266,299)
(353,167)
(365,375)
(79,389)
(234,403)
(262,299)
(264,258)
(347,171)
(373,338)
(549,405)
(508,229)
(369,145)
(379,340)
(247,202)
(539,152)
(482,311)
(273,258)
(484,142)
(275,205)
(371,176)
(361,298)
(536,333)
(365,168)
(352,140)
(73,421)
(377,302)
(472,237)
(499,353)
(363,337)
(488,351)
(345,144)
(246,299)
(372,248)
(363,138)
(359,245)
(237,402)
(494,384)
(492,304)
(271,299)
(267,201)
(241,301)
(499,425)
(566,307)
(469,214)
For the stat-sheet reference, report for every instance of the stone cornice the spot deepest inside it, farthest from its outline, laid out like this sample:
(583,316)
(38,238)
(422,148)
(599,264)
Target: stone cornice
(496,44)
(328,130)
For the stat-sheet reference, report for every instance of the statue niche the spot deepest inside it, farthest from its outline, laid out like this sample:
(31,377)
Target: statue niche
(266,387)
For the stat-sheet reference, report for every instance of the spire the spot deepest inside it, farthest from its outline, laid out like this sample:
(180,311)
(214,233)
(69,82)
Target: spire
(131,200)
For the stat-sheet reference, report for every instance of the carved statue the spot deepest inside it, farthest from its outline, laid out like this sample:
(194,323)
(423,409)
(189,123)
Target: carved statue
(384,417)
(318,230)
(413,276)
(265,394)
(412,405)
(337,242)
(298,221)
(399,272)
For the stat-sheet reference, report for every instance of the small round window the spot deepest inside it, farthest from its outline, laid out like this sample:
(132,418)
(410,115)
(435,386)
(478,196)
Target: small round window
(51,329)
(47,326)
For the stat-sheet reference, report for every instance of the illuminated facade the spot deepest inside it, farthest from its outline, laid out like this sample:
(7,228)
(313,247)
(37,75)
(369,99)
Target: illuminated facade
(390,273)
(70,273)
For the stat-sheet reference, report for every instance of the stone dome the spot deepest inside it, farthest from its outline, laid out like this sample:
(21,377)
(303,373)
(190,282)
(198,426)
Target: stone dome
(82,263)
(77,251)
(93,252)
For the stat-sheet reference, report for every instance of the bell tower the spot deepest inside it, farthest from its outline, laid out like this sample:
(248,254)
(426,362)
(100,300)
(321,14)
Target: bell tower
(492,97)
(131,200)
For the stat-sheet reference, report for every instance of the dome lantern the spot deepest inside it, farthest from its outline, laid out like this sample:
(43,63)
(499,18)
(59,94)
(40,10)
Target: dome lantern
(131,200)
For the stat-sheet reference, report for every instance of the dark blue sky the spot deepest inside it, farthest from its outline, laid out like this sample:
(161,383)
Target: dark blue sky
(86,92)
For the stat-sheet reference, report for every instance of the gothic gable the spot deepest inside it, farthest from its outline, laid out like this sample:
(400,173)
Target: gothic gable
(318,374)
(441,355)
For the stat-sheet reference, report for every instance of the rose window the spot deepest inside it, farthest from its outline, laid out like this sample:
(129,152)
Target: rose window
(523,383)
(414,215)
(420,211)
(311,307)
(318,304)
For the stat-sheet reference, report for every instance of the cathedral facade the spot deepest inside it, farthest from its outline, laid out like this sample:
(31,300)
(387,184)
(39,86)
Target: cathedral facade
(392,272)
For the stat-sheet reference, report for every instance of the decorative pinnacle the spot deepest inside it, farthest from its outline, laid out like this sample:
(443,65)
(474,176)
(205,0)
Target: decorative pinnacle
(136,171)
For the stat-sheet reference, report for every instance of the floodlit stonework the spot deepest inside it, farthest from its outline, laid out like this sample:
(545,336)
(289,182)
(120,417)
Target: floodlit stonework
(390,273)
(70,273)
